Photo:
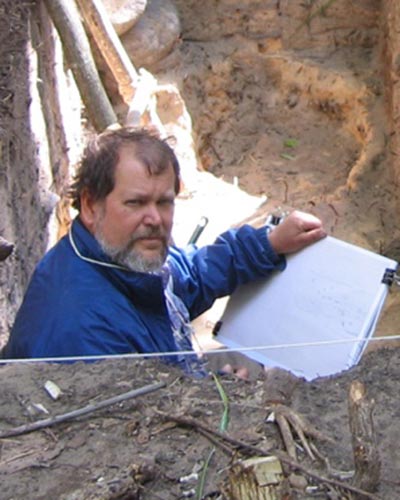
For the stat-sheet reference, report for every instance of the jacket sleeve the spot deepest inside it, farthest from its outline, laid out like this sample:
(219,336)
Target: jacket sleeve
(238,256)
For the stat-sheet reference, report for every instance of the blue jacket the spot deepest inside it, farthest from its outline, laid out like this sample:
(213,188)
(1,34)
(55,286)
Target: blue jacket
(73,307)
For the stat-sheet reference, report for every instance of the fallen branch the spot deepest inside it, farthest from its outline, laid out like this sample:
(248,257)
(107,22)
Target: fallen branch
(206,430)
(48,422)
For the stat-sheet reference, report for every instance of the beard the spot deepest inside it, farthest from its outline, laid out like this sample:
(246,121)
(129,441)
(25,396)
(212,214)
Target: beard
(126,256)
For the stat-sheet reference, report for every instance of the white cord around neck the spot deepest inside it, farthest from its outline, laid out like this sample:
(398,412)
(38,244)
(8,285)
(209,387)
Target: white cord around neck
(88,259)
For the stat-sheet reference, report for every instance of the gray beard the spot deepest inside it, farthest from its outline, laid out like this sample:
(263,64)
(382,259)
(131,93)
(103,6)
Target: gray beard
(129,258)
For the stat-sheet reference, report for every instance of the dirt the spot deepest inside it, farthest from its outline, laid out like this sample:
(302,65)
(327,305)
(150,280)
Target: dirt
(136,446)
(288,114)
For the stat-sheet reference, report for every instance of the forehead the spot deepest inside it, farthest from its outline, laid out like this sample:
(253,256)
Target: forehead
(132,169)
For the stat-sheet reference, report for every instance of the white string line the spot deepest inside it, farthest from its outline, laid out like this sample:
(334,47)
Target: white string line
(218,350)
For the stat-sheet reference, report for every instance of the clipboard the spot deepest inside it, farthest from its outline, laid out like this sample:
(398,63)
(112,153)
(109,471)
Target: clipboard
(314,318)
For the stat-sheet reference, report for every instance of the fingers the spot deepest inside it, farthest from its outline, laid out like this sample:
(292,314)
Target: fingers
(312,236)
(297,231)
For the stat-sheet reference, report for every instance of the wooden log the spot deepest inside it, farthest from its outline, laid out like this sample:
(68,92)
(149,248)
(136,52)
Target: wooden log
(66,19)
(110,46)
(366,456)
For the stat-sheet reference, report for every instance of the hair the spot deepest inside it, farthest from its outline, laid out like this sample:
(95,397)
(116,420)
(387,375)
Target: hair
(96,171)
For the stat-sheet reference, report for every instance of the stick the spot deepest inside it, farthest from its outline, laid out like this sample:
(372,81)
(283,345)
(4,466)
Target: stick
(41,424)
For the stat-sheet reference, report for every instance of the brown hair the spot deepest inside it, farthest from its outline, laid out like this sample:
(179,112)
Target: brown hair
(96,172)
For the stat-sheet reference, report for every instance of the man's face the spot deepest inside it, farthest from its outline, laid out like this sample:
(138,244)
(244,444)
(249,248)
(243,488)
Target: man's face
(133,223)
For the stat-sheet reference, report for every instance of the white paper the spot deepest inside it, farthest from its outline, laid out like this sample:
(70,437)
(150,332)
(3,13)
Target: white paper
(330,292)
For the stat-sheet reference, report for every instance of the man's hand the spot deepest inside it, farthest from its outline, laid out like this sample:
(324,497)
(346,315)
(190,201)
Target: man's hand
(297,231)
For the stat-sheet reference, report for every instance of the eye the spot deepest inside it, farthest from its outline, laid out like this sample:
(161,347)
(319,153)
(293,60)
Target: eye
(134,203)
(167,202)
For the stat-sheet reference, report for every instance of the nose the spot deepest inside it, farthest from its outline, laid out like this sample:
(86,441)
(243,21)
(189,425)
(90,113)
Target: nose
(152,217)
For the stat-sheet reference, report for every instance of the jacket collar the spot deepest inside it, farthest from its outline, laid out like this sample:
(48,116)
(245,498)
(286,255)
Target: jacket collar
(146,288)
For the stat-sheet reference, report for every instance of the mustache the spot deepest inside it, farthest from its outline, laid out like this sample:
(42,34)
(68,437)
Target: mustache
(151,232)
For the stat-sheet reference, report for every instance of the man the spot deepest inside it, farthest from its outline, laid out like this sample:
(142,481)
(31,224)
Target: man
(114,284)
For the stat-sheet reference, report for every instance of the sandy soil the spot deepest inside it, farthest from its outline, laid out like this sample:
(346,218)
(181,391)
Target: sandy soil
(140,449)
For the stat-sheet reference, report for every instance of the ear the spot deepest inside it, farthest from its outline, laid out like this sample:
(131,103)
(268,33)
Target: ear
(88,210)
